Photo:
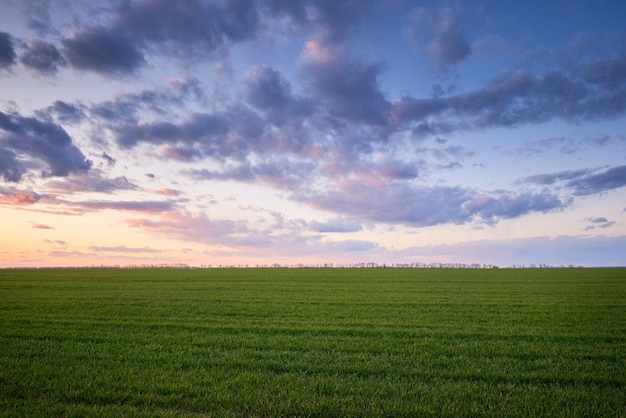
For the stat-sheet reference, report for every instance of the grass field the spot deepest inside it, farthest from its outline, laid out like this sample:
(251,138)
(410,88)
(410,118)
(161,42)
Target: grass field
(313,342)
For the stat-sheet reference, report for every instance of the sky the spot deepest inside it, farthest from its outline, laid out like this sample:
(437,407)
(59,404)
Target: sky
(254,132)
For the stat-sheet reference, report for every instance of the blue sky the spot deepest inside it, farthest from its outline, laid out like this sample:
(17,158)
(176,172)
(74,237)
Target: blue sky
(254,132)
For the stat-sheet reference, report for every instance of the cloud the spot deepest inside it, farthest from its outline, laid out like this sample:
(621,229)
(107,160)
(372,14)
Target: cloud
(167,192)
(92,181)
(283,174)
(551,178)
(599,222)
(64,112)
(584,182)
(348,86)
(229,237)
(126,108)
(335,225)
(42,57)
(197,228)
(123,249)
(41,226)
(149,207)
(267,90)
(110,160)
(504,205)
(565,145)
(55,242)
(102,50)
(597,251)
(613,178)
(7,52)
(36,142)
(346,246)
(394,169)
(514,98)
(608,73)
(127,32)
(330,21)
(422,206)
(202,128)
(440,33)
(10,168)
(13,196)
(38,14)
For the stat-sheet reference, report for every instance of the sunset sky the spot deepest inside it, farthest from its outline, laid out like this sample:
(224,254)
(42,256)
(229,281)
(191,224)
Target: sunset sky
(312,131)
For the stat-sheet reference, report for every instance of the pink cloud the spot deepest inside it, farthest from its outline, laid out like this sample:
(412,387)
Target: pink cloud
(167,192)
(41,226)
(13,196)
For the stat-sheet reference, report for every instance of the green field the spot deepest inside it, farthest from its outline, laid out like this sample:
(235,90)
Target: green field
(313,342)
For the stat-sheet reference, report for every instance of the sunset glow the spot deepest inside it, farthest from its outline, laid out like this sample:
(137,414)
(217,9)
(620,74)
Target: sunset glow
(309,132)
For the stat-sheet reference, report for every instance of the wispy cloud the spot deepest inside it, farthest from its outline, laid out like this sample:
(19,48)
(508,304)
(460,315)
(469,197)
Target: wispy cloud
(584,182)
(123,249)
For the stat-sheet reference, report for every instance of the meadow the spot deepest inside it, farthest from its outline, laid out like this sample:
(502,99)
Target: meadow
(313,342)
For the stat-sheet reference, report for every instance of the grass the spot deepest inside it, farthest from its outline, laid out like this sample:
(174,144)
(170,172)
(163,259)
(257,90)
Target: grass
(313,342)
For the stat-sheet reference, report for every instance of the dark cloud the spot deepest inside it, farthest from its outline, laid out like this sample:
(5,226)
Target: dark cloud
(233,132)
(10,168)
(505,205)
(7,52)
(586,181)
(440,33)
(110,160)
(188,29)
(608,73)
(103,50)
(349,87)
(515,98)
(65,112)
(37,141)
(42,57)
(266,88)
(613,178)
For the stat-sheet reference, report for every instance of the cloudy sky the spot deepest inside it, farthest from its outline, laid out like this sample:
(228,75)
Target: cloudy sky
(312,131)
